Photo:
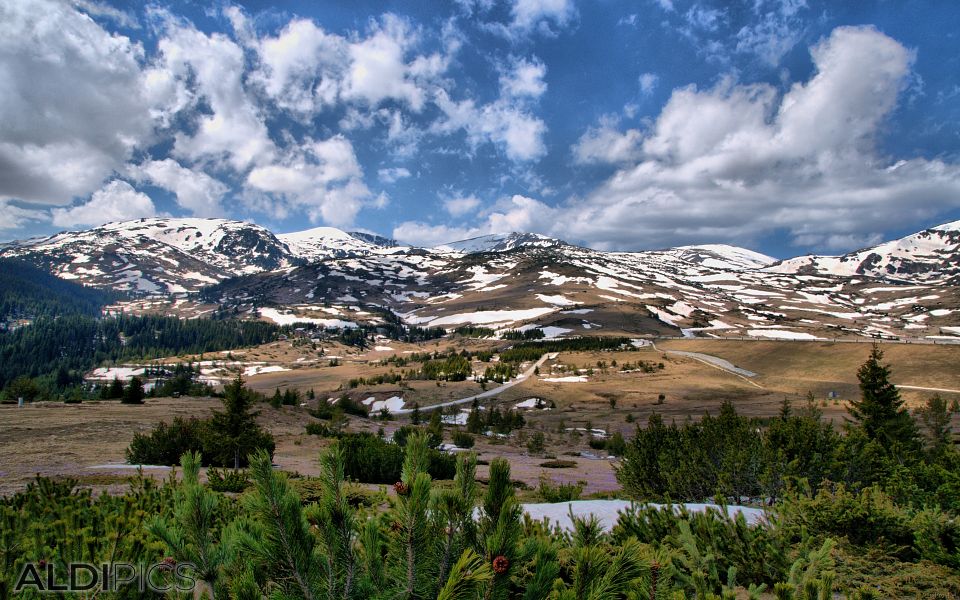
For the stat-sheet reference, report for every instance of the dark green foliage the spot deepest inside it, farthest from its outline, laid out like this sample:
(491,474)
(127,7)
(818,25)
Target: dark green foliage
(165,444)
(474,331)
(558,463)
(529,334)
(462,439)
(500,372)
(233,434)
(28,292)
(226,438)
(537,443)
(133,393)
(370,459)
(559,491)
(527,351)
(880,411)
(227,480)
(79,342)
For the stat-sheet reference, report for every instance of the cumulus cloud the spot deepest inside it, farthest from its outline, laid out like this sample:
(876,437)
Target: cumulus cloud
(516,131)
(460,205)
(211,68)
(605,144)
(74,104)
(321,177)
(737,162)
(515,213)
(116,201)
(195,190)
(523,77)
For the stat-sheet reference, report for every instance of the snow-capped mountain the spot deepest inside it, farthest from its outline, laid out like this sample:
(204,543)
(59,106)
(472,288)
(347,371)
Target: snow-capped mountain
(157,255)
(929,255)
(329,242)
(899,289)
(499,243)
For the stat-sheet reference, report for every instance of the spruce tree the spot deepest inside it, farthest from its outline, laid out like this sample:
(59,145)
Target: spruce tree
(233,434)
(133,393)
(880,411)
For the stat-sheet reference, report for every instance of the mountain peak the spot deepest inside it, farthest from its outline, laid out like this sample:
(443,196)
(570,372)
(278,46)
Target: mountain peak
(500,242)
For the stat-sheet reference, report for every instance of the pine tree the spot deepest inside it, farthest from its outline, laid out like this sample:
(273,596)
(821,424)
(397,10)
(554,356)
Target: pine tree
(233,433)
(936,418)
(880,411)
(133,393)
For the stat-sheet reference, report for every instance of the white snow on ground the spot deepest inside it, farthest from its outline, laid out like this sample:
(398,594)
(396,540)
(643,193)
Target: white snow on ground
(286,318)
(557,300)
(392,404)
(608,511)
(257,370)
(121,373)
(554,332)
(458,419)
(568,379)
(382,349)
(781,334)
(528,403)
(369,400)
(578,311)
(663,315)
(491,316)
(940,312)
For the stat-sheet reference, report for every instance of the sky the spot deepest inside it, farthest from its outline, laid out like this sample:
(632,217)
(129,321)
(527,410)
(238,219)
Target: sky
(784,126)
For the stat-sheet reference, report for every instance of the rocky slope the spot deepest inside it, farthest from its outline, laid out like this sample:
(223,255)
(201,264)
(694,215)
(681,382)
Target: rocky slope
(904,288)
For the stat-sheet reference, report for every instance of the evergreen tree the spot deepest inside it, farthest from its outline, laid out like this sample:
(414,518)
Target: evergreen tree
(234,433)
(133,393)
(880,411)
(936,421)
(115,391)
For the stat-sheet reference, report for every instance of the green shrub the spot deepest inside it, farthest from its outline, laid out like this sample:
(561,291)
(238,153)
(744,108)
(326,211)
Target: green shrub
(558,464)
(369,459)
(559,492)
(462,439)
(167,443)
(227,480)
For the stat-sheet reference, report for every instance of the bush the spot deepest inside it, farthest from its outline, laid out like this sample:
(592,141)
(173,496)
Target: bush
(167,443)
(369,459)
(462,439)
(558,464)
(227,480)
(537,443)
(559,492)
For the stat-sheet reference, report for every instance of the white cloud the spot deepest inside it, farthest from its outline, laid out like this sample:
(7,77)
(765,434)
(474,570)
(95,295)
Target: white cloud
(517,132)
(393,174)
(648,83)
(738,162)
(73,104)
(211,68)
(321,177)
(302,67)
(378,69)
(460,205)
(530,14)
(523,77)
(116,201)
(605,144)
(775,32)
(516,213)
(195,190)
(13,217)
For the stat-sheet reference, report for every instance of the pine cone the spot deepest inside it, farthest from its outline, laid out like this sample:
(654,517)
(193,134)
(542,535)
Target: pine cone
(168,563)
(401,488)
(396,526)
(501,564)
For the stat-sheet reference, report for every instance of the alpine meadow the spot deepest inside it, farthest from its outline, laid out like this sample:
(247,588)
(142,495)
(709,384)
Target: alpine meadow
(479,300)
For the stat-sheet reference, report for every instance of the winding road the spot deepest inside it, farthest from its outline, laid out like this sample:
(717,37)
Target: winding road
(487,394)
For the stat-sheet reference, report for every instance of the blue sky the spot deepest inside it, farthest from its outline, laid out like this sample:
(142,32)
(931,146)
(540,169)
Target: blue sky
(785,126)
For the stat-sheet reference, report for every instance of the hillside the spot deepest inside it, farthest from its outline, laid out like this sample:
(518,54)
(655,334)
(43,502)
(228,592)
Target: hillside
(902,288)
